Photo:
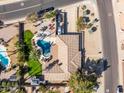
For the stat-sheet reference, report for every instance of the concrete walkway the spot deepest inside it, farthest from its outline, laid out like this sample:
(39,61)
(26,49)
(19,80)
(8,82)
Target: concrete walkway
(2,2)
(6,75)
(118,7)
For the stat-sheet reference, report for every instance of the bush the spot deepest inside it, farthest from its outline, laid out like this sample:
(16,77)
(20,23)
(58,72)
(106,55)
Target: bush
(9,84)
(51,91)
(89,25)
(43,88)
(80,24)
(32,17)
(84,7)
(3,83)
(50,14)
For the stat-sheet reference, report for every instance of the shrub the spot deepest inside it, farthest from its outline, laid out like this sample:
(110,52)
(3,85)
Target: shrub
(50,14)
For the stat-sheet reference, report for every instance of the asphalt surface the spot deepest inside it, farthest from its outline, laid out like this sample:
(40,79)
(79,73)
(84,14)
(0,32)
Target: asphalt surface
(109,43)
(21,9)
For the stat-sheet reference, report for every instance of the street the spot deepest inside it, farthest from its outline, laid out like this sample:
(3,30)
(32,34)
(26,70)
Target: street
(21,9)
(109,44)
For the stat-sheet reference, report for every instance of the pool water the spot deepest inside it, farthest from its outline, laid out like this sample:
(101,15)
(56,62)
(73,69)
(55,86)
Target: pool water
(4,60)
(45,46)
(3,57)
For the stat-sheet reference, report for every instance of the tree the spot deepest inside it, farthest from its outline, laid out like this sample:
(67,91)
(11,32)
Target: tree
(8,84)
(80,24)
(3,83)
(51,91)
(25,48)
(4,91)
(43,88)
(80,84)
(84,7)
(21,90)
(86,79)
(95,67)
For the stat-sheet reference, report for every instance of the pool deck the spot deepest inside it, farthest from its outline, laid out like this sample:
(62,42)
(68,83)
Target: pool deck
(6,75)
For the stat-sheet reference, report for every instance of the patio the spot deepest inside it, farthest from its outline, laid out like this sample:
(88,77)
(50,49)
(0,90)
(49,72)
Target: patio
(6,75)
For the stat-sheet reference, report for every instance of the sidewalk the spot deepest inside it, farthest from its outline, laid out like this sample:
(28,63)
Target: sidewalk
(3,2)
(118,13)
(14,21)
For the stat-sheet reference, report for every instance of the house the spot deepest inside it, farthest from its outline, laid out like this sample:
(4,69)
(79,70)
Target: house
(67,55)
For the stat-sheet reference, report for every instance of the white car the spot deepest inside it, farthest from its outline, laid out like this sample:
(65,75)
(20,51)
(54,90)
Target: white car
(119,89)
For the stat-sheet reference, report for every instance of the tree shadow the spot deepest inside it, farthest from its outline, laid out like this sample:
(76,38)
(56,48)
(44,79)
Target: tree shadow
(96,67)
(51,65)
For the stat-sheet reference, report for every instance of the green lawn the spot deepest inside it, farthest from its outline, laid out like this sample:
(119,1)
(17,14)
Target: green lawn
(35,68)
(28,35)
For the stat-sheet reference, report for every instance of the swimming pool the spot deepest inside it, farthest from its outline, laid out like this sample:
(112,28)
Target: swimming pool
(4,59)
(45,46)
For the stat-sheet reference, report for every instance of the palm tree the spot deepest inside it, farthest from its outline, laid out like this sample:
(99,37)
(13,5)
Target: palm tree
(79,83)
(80,25)
(21,90)
(84,7)
(85,79)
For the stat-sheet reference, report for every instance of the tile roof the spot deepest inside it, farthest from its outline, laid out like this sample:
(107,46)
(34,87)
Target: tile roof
(74,55)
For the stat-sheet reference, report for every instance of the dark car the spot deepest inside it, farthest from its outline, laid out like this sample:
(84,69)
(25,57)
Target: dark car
(49,9)
(1,23)
(119,89)
(41,12)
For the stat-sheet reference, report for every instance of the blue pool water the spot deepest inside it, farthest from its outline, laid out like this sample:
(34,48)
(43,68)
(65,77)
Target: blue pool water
(3,58)
(45,46)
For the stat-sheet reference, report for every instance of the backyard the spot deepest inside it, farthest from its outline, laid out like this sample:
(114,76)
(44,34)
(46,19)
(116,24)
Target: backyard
(28,56)
(35,67)
(33,63)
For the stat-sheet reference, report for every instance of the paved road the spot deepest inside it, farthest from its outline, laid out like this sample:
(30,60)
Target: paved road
(109,43)
(18,9)
(21,9)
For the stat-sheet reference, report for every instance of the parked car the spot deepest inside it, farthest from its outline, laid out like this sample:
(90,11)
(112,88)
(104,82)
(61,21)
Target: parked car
(119,89)
(1,23)
(49,9)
